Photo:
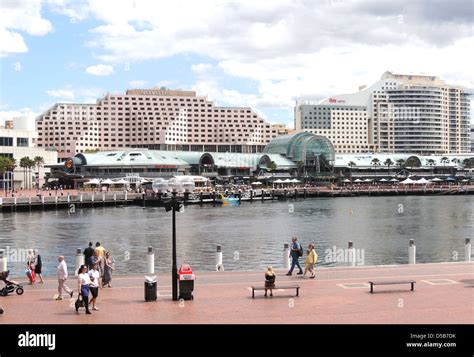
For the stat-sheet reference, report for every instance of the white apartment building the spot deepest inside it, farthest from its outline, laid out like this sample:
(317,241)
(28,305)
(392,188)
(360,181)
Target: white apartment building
(403,113)
(158,119)
(17,140)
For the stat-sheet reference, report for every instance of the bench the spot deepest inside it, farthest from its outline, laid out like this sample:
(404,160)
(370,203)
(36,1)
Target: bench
(392,282)
(254,288)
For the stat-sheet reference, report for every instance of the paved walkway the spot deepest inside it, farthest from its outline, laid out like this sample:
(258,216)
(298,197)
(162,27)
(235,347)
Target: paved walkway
(443,295)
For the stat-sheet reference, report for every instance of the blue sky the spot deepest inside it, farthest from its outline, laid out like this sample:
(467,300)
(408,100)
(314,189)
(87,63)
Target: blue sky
(239,53)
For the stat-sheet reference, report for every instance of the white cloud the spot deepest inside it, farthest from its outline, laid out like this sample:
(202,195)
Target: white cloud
(24,16)
(201,68)
(10,114)
(100,70)
(137,84)
(291,49)
(61,93)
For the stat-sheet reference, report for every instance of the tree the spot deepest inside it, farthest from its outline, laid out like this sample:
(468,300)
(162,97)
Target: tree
(431,163)
(300,165)
(351,164)
(6,164)
(444,160)
(401,163)
(272,166)
(39,162)
(26,163)
(468,163)
(388,163)
(375,163)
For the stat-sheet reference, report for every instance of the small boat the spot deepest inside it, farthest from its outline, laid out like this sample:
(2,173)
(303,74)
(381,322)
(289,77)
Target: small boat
(227,199)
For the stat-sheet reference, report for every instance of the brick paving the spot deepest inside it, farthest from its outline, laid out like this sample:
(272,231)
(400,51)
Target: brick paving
(336,296)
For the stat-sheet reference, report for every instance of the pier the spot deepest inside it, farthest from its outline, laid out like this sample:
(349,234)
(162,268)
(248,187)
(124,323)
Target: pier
(99,199)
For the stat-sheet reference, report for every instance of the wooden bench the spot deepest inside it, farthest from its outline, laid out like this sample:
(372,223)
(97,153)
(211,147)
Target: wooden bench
(254,288)
(392,282)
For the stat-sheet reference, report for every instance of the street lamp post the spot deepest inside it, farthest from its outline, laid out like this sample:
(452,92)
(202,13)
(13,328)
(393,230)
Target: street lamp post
(174,206)
(174,272)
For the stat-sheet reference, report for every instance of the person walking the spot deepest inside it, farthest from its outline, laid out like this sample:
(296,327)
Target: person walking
(311,259)
(100,250)
(83,285)
(269,280)
(295,253)
(88,253)
(38,266)
(30,266)
(62,277)
(100,254)
(94,275)
(109,267)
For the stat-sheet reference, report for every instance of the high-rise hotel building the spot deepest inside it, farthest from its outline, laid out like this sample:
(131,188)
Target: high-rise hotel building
(399,113)
(155,119)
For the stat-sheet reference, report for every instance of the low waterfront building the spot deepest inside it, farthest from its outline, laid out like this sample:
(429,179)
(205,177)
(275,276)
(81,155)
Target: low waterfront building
(288,155)
(371,165)
(18,140)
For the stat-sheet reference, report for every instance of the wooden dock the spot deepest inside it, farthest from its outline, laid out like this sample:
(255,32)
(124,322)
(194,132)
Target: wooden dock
(89,199)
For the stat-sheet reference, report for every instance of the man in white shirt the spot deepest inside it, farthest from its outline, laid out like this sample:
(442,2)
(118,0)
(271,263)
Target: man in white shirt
(62,277)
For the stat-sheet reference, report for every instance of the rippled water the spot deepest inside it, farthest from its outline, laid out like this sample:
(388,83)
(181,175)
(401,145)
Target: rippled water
(252,234)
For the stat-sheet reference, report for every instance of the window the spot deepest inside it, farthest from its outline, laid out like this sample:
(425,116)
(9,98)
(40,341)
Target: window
(5,141)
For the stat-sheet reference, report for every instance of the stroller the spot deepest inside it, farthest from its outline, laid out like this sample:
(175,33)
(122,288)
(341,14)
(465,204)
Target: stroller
(10,285)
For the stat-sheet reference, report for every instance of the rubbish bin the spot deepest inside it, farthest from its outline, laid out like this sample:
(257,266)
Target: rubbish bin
(150,288)
(186,282)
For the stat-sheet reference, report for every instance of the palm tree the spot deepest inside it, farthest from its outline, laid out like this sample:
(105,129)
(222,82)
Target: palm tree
(388,163)
(271,166)
(300,165)
(24,163)
(351,164)
(39,162)
(400,163)
(444,160)
(431,163)
(466,163)
(375,163)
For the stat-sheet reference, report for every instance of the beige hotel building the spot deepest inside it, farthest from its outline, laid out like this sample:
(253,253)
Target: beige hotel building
(158,119)
(398,114)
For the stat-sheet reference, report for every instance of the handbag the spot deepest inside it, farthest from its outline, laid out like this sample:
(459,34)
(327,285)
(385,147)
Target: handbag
(79,302)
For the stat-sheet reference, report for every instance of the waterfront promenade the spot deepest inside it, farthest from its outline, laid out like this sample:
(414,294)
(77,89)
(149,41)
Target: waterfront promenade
(443,295)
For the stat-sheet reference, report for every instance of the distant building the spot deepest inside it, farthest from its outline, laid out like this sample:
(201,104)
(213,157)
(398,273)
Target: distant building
(399,113)
(472,137)
(282,129)
(155,119)
(18,140)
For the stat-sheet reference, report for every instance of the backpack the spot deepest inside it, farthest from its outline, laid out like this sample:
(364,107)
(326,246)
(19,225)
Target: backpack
(300,251)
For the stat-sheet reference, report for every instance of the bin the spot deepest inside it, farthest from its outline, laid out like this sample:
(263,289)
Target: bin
(150,288)
(186,282)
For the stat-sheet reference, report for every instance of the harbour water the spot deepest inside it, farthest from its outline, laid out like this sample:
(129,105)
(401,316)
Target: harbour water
(252,234)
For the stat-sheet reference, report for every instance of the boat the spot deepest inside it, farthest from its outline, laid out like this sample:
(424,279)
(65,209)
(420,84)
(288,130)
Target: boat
(227,199)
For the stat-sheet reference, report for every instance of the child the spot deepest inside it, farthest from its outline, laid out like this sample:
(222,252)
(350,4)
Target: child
(307,263)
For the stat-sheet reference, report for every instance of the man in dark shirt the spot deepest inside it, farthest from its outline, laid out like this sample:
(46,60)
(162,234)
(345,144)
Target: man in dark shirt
(295,253)
(88,253)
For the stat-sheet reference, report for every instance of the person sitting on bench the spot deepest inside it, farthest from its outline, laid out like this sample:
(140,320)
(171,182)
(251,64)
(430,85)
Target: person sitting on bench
(269,280)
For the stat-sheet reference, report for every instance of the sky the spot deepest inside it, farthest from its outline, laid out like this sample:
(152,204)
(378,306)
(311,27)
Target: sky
(261,54)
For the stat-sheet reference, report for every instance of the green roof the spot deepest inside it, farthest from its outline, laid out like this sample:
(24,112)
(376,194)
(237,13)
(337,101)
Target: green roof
(301,146)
